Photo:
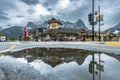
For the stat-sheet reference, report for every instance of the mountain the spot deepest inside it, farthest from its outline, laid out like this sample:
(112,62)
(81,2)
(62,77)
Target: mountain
(117,27)
(79,24)
(1,28)
(13,32)
(68,24)
(44,24)
(32,25)
(16,31)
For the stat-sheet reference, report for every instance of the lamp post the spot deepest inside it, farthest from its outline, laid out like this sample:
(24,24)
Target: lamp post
(93,20)
(119,36)
(99,23)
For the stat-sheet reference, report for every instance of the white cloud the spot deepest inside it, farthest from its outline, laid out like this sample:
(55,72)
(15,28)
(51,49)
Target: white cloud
(13,13)
(70,10)
(40,11)
(80,3)
(63,4)
(111,15)
(70,5)
(22,9)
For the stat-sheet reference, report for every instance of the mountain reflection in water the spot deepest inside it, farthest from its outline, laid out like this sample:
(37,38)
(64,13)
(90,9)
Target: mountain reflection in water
(101,66)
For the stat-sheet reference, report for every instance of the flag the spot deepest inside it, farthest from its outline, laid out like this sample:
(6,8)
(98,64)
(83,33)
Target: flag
(25,32)
(99,18)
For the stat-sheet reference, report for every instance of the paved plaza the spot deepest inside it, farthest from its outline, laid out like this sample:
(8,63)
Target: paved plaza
(92,46)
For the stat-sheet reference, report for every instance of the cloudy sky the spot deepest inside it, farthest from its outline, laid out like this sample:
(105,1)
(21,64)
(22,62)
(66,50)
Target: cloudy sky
(19,12)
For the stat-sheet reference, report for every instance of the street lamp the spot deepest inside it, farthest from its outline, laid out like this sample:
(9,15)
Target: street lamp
(93,20)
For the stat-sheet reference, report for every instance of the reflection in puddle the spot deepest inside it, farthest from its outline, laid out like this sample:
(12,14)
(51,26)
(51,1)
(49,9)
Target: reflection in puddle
(53,57)
(69,64)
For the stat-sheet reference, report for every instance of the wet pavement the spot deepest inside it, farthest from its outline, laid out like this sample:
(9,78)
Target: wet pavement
(92,46)
(4,46)
(59,64)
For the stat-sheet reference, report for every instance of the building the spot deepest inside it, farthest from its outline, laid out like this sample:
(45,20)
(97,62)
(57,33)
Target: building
(37,34)
(2,38)
(117,33)
(104,36)
(110,36)
(57,32)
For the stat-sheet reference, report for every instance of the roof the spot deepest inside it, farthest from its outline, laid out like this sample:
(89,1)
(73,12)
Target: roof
(63,30)
(68,30)
(53,20)
(90,32)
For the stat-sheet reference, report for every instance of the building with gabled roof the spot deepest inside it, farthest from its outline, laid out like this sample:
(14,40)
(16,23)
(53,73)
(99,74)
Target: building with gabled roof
(57,32)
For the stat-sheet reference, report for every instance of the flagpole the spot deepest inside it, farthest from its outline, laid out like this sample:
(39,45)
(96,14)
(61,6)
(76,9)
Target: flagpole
(99,23)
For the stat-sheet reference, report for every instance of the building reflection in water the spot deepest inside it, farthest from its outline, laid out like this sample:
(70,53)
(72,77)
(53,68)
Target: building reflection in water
(53,57)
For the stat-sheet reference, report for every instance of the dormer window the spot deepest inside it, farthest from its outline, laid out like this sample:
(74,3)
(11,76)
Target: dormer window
(54,24)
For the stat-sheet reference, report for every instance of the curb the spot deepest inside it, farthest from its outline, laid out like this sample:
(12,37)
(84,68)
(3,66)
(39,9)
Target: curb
(112,43)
